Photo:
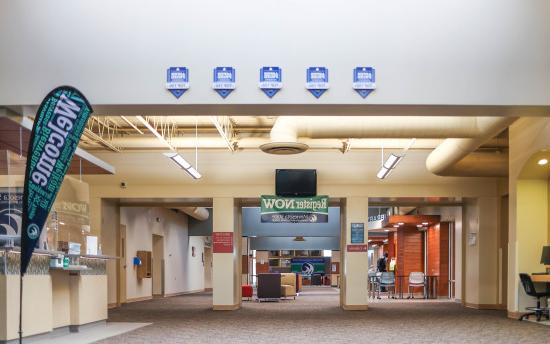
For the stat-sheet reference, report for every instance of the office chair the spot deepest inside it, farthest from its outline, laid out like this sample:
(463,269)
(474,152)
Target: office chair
(416,279)
(374,277)
(530,290)
(387,280)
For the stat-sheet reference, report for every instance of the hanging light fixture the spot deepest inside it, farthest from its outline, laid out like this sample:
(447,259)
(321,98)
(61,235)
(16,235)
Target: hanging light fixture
(393,160)
(184,164)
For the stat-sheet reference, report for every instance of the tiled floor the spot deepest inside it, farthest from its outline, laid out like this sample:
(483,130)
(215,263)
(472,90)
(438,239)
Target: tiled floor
(88,334)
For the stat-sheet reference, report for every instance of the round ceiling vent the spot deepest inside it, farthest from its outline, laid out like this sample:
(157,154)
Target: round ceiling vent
(284,148)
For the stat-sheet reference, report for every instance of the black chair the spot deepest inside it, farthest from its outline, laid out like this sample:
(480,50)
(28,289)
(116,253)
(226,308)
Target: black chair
(530,290)
(269,286)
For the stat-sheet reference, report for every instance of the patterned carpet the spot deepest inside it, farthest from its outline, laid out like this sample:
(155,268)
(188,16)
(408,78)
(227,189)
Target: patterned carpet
(314,317)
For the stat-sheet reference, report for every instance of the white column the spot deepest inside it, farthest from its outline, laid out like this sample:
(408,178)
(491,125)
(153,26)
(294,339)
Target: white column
(354,267)
(226,269)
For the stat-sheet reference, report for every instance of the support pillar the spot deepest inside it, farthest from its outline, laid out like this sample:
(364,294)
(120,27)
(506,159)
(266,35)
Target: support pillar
(354,266)
(226,267)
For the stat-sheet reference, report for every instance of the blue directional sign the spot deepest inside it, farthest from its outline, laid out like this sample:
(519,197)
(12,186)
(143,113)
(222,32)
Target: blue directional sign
(177,80)
(224,80)
(317,80)
(271,80)
(364,79)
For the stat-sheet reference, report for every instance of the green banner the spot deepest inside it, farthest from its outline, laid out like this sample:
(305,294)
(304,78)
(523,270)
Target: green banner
(57,128)
(275,209)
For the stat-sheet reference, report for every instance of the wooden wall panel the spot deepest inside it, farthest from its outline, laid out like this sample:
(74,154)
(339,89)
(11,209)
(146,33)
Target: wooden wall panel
(438,255)
(410,255)
(262,268)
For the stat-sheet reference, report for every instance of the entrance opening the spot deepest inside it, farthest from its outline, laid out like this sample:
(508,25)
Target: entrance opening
(414,246)
(292,265)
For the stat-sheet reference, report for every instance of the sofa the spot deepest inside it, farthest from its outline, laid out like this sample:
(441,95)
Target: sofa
(288,285)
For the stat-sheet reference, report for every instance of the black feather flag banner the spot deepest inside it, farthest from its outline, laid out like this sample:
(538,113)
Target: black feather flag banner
(58,125)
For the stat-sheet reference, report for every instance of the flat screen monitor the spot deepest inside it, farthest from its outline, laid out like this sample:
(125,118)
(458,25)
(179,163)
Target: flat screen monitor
(297,183)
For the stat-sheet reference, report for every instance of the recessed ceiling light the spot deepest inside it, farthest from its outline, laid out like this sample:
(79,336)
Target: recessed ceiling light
(419,226)
(425,223)
(542,162)
(386,230)
(395,226)
(401,223)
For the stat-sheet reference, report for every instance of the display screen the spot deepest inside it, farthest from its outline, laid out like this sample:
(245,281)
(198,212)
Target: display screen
(308,266)
(295,183)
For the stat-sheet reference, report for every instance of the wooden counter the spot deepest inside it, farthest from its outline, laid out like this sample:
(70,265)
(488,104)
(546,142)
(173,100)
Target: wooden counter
(541,278)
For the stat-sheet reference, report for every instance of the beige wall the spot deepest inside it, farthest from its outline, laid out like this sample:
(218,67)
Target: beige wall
(182,272)
(226,274)
(37,291)
(355,264)
(110,222)
(61,298)
(481,287)
(84,308)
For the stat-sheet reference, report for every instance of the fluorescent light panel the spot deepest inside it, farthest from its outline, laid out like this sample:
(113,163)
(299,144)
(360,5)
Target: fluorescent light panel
(389,166)
(193,172)
(181,162)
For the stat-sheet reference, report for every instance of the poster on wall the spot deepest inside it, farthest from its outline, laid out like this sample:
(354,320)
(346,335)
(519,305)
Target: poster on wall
(11,203)
(58,125)
(222,242)
(357,233)
(275,209)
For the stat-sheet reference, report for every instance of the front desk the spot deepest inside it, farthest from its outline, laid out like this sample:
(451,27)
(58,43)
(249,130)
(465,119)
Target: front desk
(52,298)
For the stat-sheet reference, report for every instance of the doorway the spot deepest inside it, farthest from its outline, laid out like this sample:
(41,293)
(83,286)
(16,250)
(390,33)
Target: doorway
(122,263)
(207,261)
(158,265)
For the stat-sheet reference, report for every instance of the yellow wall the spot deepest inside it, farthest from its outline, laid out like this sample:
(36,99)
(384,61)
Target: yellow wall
(532,223)
(527,136)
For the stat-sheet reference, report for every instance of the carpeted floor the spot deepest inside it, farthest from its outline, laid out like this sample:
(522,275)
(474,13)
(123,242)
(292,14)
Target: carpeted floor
(314,317)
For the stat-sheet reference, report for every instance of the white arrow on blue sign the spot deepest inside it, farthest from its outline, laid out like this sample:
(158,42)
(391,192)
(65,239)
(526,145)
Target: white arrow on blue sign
(364,80)
(271,80)
(177,80)
(224,80)
(317,80)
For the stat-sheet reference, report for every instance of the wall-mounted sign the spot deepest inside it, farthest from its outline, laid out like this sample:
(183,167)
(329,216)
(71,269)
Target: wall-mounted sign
(271,80)
(11,203)
(357,248)
(224,80)
(177,80)
(317,80)
(275,209)
(364,79)
(357,233)
(222,242)
(308,266)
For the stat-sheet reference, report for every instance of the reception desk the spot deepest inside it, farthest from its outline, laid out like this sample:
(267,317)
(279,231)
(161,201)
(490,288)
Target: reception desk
(52,298)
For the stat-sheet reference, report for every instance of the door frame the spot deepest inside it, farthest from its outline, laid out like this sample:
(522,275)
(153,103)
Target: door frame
(122,265)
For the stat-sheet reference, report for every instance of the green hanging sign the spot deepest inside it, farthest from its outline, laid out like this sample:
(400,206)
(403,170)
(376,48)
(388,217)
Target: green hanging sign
(275,209)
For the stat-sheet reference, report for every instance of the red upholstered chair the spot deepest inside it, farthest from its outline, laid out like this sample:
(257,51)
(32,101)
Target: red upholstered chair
(247,291)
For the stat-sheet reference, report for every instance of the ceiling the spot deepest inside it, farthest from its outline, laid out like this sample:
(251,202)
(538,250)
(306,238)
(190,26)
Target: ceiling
(256,167)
